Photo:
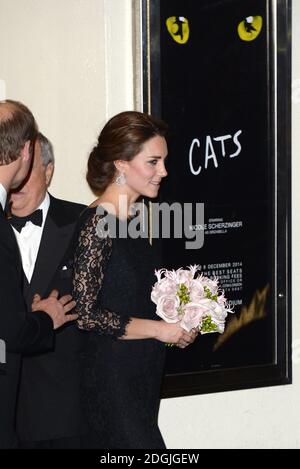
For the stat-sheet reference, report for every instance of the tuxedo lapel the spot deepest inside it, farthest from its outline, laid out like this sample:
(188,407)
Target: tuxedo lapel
(26,287)
(55,240)
(14,241)
(2,214)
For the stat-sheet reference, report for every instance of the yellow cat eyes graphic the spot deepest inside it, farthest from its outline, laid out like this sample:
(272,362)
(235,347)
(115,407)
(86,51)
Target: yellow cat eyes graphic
(179,29)
(250,27)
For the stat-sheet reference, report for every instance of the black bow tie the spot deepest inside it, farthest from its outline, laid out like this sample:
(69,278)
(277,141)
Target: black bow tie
(19,222)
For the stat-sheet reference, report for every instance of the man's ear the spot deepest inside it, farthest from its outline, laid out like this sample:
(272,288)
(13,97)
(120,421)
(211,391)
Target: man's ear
(25,152)
(49,173)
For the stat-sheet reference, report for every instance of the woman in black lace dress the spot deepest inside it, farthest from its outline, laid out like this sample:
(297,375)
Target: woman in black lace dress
(113,276)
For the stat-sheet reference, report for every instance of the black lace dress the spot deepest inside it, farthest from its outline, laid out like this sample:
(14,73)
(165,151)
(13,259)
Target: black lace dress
(121,378)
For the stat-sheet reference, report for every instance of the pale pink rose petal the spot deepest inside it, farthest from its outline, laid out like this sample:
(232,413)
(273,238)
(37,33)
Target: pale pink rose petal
(196,291)
(164,287)
(192,317)
(167,307)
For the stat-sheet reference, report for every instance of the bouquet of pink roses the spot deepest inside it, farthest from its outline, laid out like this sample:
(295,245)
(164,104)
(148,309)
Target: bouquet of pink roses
(194,301)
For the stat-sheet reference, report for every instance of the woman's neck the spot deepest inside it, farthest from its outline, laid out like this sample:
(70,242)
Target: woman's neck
(116,202)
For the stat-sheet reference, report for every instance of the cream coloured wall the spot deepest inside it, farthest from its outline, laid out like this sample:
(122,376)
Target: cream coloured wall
(71,62)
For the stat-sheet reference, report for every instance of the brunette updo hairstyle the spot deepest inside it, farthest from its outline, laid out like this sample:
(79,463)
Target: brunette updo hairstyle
(122,138)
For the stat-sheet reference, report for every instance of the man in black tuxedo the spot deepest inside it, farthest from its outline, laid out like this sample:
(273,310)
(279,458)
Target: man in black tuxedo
(20,330)
(48,411)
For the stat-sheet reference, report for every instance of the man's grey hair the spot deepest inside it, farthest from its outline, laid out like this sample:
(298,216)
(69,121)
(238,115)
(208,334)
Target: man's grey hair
(47,153)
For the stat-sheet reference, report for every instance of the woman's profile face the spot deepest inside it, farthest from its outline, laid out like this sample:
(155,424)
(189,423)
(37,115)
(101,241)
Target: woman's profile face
(146,170)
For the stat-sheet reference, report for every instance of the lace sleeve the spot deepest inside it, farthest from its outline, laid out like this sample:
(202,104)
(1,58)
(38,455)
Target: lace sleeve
(92,254)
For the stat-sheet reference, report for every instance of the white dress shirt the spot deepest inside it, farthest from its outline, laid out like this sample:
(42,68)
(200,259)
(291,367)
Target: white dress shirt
(3,196)
(30,238)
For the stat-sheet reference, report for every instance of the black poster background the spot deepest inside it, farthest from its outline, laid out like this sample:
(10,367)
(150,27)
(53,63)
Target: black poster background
(215,85)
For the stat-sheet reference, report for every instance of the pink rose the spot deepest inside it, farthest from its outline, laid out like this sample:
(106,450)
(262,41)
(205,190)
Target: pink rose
(192,317)
(196,291)
(167,308)
(162,288)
